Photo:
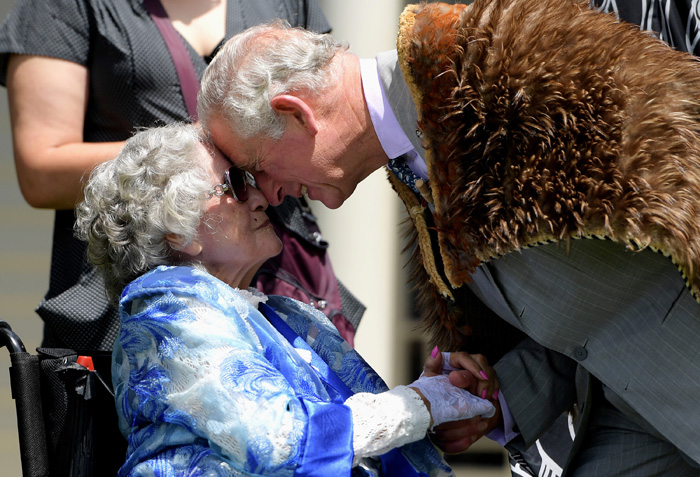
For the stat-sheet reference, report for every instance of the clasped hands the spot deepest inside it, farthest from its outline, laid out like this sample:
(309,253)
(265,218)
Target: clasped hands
(442,374)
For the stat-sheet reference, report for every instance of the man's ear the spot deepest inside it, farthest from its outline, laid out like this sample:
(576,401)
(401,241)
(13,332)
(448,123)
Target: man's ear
(176,241)
(297,109)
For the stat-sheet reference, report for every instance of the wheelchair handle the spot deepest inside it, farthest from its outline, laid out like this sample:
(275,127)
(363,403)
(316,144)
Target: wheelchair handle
(10,339)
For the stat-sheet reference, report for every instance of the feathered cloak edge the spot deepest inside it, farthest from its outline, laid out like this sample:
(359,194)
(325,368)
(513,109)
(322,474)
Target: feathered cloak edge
(545,121)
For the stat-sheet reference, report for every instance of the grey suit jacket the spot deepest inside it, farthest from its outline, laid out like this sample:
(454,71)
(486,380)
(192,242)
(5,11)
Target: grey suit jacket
(625,317)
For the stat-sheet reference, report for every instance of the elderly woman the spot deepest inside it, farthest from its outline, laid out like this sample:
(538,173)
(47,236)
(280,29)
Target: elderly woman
(214,378)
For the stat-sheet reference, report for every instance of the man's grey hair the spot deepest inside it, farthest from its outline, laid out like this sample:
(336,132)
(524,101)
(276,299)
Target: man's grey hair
(156,186)
(259,64)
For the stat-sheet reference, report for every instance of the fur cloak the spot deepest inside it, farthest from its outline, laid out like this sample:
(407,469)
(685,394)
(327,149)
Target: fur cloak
(544,120)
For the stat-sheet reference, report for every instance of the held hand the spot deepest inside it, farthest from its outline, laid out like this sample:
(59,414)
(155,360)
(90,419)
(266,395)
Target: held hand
(458,436)
(470,372)
(446,402)
(467,366)
(466,371)
(433,364)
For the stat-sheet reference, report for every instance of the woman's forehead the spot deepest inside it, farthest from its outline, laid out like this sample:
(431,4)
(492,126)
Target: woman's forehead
(212,157)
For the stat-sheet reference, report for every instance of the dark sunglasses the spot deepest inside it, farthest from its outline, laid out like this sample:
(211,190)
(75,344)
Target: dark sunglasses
(236,182)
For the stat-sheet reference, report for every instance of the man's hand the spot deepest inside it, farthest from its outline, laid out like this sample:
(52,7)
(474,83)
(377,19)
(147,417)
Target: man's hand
(470,372)
(458,436)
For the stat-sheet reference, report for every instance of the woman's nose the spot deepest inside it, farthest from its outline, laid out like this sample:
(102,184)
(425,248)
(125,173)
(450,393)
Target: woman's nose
(256,199)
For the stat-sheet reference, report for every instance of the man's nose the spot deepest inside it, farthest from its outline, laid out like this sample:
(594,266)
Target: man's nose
(268,187)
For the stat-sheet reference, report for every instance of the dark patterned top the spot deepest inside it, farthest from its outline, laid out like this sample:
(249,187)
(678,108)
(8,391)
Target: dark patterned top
(675,21)
(132,84)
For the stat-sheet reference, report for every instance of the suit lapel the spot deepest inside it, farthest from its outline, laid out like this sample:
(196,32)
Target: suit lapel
(485,288)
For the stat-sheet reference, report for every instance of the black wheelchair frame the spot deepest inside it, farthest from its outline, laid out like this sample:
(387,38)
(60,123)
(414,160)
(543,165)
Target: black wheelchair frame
(66,417)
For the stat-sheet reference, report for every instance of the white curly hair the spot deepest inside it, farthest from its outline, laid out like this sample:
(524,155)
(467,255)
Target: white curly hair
(156,186)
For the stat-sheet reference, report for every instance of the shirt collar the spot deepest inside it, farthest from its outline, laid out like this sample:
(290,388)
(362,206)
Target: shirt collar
(392,138)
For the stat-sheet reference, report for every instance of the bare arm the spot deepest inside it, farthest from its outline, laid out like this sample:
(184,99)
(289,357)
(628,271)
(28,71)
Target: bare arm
(48,98)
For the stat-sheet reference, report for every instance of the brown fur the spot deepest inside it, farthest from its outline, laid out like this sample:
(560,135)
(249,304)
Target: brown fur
(545,121)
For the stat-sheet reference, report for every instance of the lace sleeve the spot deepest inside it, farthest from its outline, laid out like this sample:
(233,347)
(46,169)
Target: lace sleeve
(387,420)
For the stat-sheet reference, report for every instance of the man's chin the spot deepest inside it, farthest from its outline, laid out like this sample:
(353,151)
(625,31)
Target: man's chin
(334,205)
(330,197)
(329,202)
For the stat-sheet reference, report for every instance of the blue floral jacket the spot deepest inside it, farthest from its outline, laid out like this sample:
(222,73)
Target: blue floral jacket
(205,385)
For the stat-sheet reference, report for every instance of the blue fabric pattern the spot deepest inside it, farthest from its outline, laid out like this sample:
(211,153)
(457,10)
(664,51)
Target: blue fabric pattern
(205,385)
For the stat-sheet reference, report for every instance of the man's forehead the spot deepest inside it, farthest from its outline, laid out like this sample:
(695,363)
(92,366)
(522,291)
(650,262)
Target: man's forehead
(238,151)
(240,159)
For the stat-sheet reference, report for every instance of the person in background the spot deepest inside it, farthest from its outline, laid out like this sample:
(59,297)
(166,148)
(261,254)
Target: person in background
(215,378)
(82,77)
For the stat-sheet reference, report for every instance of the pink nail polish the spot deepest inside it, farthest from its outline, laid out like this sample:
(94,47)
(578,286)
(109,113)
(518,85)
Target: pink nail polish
(483,394)
(495,395)
(435,352)
(484,375)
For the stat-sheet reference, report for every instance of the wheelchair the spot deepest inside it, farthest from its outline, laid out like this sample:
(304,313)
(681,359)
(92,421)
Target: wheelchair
(66,418)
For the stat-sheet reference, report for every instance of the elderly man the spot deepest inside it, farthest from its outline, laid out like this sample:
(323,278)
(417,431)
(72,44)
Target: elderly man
(546,153)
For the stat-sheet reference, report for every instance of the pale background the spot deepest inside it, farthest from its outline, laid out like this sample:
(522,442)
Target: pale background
(365,250)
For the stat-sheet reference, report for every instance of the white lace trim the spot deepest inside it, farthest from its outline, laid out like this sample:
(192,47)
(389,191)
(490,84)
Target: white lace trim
(383,421)
(252,296)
